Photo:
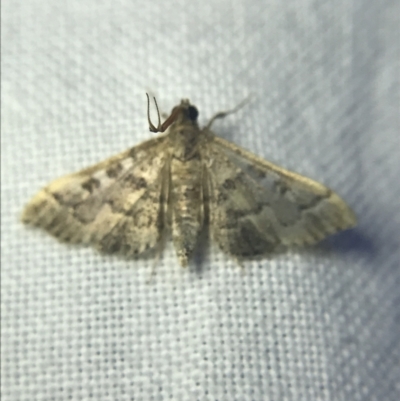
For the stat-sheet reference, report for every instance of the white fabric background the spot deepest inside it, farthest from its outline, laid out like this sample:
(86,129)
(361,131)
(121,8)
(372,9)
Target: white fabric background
(321,324)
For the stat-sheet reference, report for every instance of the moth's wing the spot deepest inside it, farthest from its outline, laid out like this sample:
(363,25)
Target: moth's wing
(256,206)
(116,205)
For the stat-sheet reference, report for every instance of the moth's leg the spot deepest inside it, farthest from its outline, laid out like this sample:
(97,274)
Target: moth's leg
(223,114)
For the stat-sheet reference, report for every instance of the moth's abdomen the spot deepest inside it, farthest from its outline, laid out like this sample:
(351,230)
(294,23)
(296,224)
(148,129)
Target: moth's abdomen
(187,207)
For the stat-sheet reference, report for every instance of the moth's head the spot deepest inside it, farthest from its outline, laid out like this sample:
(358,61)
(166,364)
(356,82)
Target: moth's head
(183,114)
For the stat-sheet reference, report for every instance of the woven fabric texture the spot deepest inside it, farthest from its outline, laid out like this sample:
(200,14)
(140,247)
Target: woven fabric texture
(316,324)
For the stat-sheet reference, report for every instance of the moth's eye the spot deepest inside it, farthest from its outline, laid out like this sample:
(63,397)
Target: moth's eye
(193,113)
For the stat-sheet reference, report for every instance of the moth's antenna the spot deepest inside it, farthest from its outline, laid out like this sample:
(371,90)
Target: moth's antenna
(161,127)
(223,114)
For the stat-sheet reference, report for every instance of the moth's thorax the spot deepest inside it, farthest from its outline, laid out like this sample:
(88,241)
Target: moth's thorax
(185,134)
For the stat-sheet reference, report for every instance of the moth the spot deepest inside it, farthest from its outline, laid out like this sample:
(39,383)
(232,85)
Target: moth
(179,183)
